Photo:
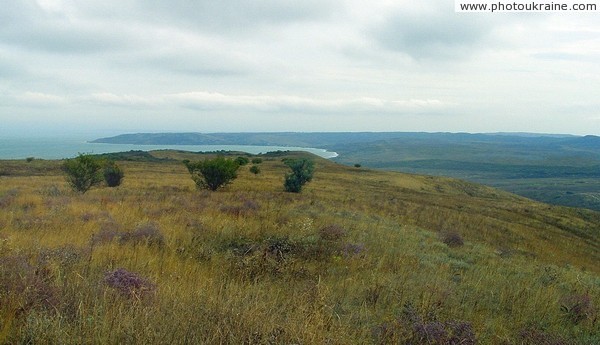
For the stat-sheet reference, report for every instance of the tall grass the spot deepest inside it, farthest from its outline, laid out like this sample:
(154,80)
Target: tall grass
(358,257)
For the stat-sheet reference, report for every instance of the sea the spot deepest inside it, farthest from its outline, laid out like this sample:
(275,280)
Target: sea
(69,147)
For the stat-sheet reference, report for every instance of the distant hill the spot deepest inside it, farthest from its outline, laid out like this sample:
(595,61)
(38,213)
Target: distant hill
(554,168)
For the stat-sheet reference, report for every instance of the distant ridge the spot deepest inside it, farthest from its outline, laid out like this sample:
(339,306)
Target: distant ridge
(555,168)
(322,139)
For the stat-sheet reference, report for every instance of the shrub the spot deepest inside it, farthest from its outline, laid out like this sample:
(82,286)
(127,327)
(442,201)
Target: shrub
(241,161)
(357,165)
(214,173)
(129,284)
(257,160)
(255,170)
(412,328)
(112,174)
(83,172)
(29,159)
(577,307)
(302,172)
(452,239)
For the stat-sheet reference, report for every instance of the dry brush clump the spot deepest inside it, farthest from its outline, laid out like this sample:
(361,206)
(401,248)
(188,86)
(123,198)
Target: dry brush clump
(412,328)
(578,308)
(452,239)
(129,284)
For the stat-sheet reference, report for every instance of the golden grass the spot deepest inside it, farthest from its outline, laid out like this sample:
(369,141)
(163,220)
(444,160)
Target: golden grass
(246,264)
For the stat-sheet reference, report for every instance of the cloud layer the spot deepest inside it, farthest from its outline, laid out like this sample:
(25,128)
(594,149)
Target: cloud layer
(285,65)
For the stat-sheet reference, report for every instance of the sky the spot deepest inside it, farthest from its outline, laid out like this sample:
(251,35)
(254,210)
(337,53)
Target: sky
(69,66)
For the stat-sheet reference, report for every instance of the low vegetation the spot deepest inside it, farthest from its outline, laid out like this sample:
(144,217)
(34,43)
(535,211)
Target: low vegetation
(83,172)
(215,173)
(113,174)
(359,257)
(302,172)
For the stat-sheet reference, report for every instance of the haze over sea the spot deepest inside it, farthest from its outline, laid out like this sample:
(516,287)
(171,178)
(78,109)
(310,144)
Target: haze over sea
(68,147)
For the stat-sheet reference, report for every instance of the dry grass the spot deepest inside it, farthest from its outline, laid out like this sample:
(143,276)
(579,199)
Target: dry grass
(358,257)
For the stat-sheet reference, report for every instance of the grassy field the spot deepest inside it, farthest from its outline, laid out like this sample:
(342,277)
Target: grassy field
(559,171)
(359,257)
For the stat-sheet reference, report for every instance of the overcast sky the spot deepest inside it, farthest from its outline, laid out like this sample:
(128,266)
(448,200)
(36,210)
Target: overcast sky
(279,65)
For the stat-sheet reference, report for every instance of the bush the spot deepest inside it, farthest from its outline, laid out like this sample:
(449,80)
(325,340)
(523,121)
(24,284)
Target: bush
(255,170)
(83,172)
(241,161)
(112,174)
(357,165)
(257,160)
(212,174)
(302,172)
(452,239)
(129,284)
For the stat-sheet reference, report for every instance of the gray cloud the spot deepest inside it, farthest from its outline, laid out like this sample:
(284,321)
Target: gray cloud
(281,64)
(237,15)
(433,33)
(28,25)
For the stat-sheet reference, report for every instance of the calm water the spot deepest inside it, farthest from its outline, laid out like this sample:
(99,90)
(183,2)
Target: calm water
(57,148)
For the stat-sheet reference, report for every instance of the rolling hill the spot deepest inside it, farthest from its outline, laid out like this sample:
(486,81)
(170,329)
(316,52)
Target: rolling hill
(557,169)
(360,256)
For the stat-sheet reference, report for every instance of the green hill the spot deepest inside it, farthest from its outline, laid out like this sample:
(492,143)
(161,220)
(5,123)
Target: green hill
(557,169)
(360,256)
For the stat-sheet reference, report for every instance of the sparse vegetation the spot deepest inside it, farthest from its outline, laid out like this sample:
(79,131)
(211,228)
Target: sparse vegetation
(356,259)
(255,169)
(241,161)
(302,172)
(83,172)
(112,174)
(213,174)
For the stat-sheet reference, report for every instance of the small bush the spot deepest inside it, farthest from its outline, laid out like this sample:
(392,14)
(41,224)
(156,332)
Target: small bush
(112,174)
(83,172)
(452,239)
(411,328)
(241,161)
(255,170)
(257,160)
(302,172)
(29,159)
(129,284)
(212,174)
(357,165)
(577,307)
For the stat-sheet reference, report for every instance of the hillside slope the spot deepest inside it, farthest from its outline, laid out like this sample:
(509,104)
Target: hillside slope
(360,256)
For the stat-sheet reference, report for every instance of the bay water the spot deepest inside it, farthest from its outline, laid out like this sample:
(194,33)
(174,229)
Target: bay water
(69,147)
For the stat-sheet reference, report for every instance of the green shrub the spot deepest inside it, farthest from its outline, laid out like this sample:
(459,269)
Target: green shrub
(214,173)
(257,160)
(83,172)
(255,169)
(112,174)
(241,161)
(29,159)
(302,172)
